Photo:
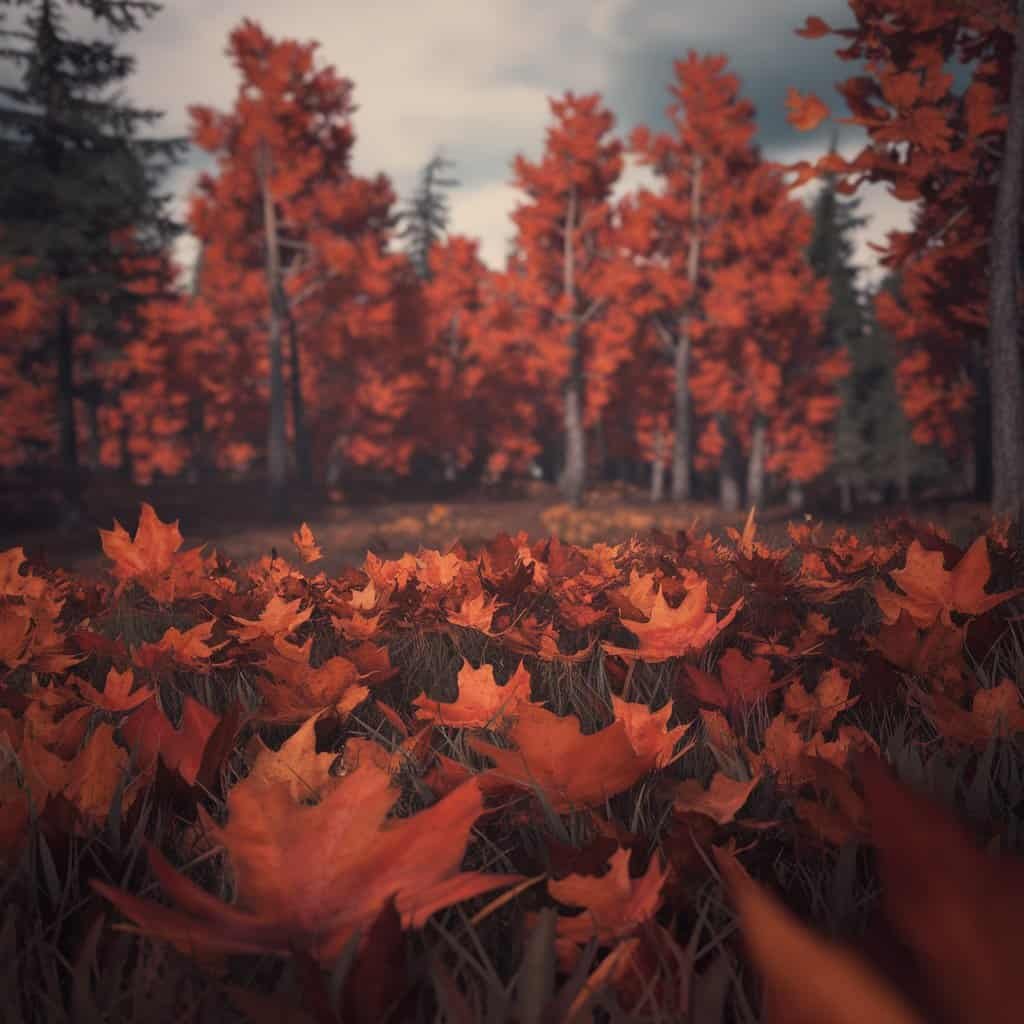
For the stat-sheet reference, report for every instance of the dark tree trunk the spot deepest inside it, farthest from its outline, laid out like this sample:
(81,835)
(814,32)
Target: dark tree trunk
(1007,372)
(303,448)
(574,474)
(70,469)
(658,467)
(729,488)
(277,439)
(903,466)
(756,463)
(981,457)
(682,453)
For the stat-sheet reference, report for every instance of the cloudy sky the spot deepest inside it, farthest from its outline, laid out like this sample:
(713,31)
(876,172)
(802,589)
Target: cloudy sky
(471,78)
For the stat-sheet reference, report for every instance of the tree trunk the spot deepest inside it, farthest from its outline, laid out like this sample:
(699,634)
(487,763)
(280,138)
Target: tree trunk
(795,496)
(71,480)
(729,493)
(574,474)
(449,457)
(845,493)
(682,455)
(303,449)
(755,465)
(1007,372)
(277,439)
(681,449)
(658,467)
(903,466)
(575,471)
(981,454)
(93,400)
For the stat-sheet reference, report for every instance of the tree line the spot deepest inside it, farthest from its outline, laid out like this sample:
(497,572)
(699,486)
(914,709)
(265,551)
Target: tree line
(706,334)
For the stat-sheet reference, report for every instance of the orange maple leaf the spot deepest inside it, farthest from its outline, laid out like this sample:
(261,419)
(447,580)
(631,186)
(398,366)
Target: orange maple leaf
(931,591)
(304,540)
(805,111)
(614,904)
(481,703)
(671,632)
(573,770)
(309,876)
(720,801)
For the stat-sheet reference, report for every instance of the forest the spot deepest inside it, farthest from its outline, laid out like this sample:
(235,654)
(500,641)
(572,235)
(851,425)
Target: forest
(704,337)
(483,716)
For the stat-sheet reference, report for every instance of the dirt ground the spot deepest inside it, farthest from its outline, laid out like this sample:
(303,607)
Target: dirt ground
(235,520)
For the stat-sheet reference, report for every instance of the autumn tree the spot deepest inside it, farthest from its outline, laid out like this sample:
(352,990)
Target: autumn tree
(286,226)
(563,231)
(709,147)
(958,153)
(764,385)
(77,181)
(425,220)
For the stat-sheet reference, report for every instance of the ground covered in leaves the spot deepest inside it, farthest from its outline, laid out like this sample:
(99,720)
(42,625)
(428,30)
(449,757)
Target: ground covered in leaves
(677,777)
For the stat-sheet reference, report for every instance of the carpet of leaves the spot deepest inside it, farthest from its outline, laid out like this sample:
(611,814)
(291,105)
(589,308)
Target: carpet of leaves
(533,784)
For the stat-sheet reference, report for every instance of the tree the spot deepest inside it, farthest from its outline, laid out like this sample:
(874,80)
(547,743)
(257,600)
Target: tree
(426,219)
(764,384)
(287,227)
(78,187)
(564,233)
(958,154)
(710,147)
(830,254)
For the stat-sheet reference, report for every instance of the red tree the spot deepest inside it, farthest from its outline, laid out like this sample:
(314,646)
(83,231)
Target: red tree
(564,232)
(959,153)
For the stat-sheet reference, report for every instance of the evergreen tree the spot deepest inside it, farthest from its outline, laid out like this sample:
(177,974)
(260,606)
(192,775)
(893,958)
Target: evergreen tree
(79,200)
(426,217)
(830,254)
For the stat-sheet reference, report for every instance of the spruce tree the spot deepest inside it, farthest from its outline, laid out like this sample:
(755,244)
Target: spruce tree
(426,217)
(830,253)
(79,200)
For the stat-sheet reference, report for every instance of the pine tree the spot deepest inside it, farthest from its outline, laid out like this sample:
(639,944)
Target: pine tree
(830,254)
(426,218)
(79,201)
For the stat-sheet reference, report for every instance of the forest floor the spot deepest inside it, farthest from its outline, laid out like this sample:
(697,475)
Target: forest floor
(235,520)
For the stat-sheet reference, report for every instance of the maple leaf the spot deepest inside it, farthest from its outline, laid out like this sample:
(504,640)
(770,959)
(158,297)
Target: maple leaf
(573,770)
(744,681)
(831,695)
(278,619)
(188,649)
(309,876)
(475,613)
(481,703)
(814,28)
(720,801)
(296,689)
(303,539)
(930,591)
(149,733)
(994,711)
(614,904)
(671,632)
(117,692)
(296,763)
(149,554)
(152,560)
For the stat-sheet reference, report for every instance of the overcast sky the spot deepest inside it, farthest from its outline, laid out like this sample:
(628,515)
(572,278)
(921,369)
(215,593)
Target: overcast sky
(472,78)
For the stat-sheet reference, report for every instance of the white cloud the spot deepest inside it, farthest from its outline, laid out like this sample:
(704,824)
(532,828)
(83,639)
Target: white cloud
(485,213)
(468,77)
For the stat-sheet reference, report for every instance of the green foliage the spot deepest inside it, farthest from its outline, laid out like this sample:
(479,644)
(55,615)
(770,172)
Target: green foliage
(426,218)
